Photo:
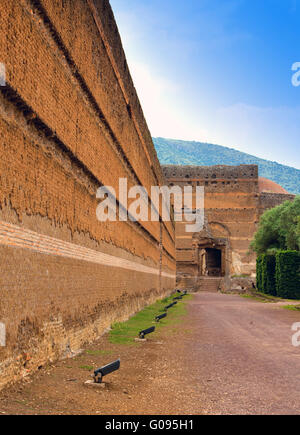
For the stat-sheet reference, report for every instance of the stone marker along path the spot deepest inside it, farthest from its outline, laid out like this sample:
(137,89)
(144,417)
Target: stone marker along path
(229,355)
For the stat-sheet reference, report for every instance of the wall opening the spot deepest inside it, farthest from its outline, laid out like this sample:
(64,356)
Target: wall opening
(214,262)
(211,262)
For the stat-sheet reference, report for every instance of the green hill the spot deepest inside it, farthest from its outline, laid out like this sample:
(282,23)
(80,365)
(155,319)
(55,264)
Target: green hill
(178,152)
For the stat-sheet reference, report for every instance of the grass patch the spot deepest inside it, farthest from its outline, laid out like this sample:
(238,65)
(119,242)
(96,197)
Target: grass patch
(262,297)
(88,368)
(98,352)
(269,297)
(257,298)
(292,307)
(125,332)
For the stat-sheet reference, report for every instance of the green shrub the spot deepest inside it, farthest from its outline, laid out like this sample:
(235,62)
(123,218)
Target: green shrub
(268,274)
(279,228)
(259,273)
(288,274)
(263,273)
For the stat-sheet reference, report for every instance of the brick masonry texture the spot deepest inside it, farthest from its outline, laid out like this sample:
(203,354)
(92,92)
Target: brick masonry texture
(234,201)
(70,122)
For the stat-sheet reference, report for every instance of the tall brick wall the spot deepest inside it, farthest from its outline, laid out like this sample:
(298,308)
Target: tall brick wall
(231,211)
(233,205)
(70,121)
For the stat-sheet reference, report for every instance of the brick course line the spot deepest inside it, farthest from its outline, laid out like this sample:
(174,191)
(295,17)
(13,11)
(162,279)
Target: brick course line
(16,237)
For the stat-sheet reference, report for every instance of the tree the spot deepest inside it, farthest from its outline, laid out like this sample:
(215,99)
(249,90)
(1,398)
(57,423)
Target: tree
(289,224)
(279,229)
(298,230)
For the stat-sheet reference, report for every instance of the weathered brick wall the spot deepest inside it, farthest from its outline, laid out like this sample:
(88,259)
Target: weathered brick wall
(270,200)
(233,206)
(231,211)
(70,121)
(217,173)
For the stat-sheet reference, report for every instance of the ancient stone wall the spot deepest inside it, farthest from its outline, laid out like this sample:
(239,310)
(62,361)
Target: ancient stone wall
(231,213)
(234,202)
(271,200)
(198,173)
(70,122)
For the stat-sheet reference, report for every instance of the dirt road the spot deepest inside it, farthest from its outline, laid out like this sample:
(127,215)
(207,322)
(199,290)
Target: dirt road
(230,355)
(243,356)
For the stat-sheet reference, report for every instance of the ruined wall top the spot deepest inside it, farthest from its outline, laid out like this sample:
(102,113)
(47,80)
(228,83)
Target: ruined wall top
(270,200)
(210,172)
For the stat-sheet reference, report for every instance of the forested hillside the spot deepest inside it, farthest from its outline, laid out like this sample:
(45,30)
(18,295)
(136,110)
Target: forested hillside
(177,152)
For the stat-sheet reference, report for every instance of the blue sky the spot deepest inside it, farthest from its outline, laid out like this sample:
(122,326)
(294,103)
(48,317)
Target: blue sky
(217,71)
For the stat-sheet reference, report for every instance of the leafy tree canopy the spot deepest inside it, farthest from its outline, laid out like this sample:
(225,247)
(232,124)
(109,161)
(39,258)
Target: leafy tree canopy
(279,229)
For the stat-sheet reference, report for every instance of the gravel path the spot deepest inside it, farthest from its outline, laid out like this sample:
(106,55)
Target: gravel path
(243,356)
(230,355)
